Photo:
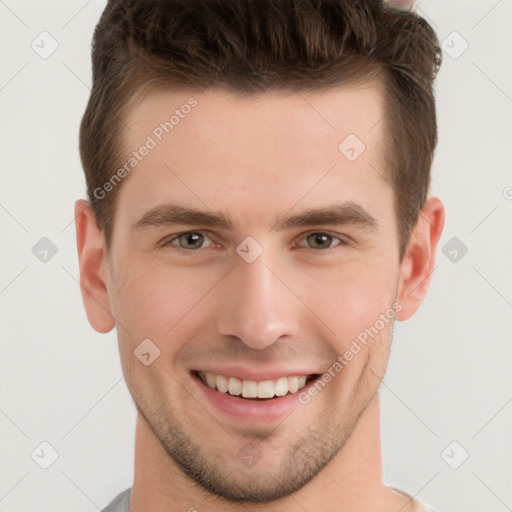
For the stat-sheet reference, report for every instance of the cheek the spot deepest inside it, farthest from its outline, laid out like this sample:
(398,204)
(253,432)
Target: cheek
(156,300)
(351,300)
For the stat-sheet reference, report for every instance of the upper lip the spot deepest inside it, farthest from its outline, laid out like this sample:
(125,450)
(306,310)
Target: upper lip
(255,374)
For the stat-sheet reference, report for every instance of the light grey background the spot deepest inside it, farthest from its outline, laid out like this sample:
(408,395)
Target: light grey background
(449,377)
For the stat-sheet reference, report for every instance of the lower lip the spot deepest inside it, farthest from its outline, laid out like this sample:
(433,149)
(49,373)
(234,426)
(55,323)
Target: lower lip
(251,411)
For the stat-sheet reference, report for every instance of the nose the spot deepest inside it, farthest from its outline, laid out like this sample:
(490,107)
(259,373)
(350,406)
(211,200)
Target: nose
(256,304)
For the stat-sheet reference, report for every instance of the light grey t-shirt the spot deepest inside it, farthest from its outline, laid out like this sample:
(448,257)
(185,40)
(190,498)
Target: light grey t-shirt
(122,503)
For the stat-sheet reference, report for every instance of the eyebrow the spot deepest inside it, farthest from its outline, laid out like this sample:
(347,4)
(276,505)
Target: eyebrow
(335,214)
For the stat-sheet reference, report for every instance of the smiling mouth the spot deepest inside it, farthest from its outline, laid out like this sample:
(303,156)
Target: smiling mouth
(263,390)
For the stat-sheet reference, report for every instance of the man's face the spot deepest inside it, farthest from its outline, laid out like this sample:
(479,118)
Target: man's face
(287,301)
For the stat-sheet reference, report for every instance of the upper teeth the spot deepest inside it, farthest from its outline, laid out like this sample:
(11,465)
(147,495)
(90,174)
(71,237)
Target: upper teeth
(253,389)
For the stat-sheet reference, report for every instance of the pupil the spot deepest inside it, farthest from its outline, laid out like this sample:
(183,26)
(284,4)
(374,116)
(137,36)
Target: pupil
(320,239)
(193,239)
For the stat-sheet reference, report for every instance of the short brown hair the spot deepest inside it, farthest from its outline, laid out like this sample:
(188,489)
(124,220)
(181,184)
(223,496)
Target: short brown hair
(252,46)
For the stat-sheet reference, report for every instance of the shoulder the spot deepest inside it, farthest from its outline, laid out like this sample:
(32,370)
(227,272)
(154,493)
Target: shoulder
(414,505)
(120,504)
(425,508)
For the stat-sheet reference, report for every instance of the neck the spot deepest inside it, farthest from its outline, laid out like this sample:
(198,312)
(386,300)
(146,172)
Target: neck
(351,481)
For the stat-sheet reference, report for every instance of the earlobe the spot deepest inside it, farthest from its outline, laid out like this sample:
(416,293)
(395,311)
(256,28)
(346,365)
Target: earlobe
(91,252)
(419,260)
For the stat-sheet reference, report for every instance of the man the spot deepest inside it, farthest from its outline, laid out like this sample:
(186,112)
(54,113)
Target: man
(258,216)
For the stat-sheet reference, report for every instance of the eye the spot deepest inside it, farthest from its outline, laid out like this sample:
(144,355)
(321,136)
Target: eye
(191,240)
(322,240)
(194,240)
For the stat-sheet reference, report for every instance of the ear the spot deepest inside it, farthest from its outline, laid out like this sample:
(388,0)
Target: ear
(419,259)
(93,268)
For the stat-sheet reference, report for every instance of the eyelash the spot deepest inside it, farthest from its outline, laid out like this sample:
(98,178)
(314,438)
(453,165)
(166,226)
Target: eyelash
(342,242)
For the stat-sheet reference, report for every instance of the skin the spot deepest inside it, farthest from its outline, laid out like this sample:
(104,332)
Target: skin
(257,159)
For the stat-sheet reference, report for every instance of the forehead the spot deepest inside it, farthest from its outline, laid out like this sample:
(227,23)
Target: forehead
(213,146)
(220,115)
